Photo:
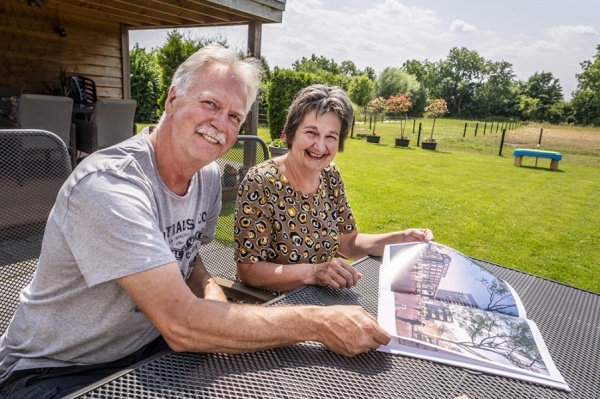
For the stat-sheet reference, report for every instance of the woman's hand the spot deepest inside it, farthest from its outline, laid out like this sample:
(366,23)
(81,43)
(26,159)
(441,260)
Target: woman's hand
(336,274)
(416,235)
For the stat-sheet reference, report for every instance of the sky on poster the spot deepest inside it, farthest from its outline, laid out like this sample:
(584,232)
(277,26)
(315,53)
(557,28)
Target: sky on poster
(550,36)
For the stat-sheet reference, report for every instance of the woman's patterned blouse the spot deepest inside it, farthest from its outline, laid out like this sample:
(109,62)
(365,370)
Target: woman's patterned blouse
(276,223)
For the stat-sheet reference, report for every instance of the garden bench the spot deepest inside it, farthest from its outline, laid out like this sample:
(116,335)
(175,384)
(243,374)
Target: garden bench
(552,155)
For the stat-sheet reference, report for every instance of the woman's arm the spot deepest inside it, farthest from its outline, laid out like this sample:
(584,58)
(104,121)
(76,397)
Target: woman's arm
(358,245)
(336,274)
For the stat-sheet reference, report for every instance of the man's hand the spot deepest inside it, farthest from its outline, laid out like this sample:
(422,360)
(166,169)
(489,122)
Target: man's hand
(336,274)
(350,330)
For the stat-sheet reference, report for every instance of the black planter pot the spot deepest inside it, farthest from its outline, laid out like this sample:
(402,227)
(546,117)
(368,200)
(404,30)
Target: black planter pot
(402,142)
(373,139)
(428,146)
(277,151)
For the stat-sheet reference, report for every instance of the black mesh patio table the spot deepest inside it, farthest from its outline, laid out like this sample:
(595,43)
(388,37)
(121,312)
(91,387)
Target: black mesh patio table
(569,320)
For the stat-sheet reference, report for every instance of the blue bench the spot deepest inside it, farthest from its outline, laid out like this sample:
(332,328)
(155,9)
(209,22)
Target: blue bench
(554,156)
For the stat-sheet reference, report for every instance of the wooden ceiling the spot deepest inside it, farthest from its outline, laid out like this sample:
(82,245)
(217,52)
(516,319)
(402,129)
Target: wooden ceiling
(155,14)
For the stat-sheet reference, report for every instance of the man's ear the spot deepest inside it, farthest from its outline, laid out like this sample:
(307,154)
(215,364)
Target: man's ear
(171,97)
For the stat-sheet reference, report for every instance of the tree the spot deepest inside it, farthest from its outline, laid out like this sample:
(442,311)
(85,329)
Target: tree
(399,104)
(528,107)
(586,99)
(497,95)
(316,64)
(176,50)
(459,76)
(415,68)
(375,107)
(435,108)
(394,80)
(145,84)
(544,87)
(348,68)
(361,90)
(370,73)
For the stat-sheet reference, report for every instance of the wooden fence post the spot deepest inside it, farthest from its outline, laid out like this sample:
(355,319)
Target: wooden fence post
(484,127)
(502,141)
(419,135)
(476,127)
(465,131)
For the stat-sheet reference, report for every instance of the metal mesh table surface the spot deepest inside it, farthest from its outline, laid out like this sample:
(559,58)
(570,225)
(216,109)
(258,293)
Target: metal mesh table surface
(567,317)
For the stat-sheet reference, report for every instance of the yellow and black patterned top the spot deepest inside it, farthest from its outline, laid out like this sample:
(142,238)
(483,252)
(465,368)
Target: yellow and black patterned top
(276,223)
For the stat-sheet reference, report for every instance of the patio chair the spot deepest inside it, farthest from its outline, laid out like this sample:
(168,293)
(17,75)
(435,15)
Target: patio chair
(111,122)
(218,255)
(83,90)
(51,113)
(29,184)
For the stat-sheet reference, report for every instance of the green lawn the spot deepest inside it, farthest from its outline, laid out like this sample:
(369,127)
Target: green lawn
(532,219)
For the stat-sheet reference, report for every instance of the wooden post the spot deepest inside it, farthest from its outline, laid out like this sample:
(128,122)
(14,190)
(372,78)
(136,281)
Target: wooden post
(484,127)
(465,131)
(502,142)
(254,42)
(540,140)
(497,126)
(476,127)
(352,131)
(414,122)
(419,135)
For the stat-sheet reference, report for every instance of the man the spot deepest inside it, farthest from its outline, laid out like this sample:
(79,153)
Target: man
(119,277)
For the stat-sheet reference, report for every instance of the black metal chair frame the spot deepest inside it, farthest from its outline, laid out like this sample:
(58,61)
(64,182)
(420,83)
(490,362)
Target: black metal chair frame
(218,255)
(33,166)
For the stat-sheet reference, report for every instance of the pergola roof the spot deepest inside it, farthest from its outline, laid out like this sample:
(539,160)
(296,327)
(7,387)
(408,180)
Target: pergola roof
(154,14)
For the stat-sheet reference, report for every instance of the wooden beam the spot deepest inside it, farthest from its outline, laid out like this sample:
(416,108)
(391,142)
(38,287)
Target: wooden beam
(250,10)
(254,47)
(125,62)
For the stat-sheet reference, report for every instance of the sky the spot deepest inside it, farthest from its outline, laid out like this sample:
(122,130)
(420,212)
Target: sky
(551,36)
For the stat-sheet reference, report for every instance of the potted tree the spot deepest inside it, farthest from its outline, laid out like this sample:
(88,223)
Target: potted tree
(400,104)
(278,146)
(435,108)
(375,107)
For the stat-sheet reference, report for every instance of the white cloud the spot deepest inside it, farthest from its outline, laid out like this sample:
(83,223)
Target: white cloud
(462,27)
(543,45)
(571,31)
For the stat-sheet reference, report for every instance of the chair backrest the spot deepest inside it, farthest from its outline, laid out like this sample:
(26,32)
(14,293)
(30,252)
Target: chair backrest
(218,255)
(29,184)
(9,97)
(83,90)
(114,120)
(51,113)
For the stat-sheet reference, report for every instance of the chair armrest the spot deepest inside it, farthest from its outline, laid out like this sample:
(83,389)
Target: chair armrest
(243,292)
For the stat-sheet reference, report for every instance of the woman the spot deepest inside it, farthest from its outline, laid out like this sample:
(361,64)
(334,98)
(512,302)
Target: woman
(293,221)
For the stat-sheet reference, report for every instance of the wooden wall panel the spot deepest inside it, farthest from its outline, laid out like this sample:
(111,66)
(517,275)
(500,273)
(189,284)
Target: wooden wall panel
(32,52)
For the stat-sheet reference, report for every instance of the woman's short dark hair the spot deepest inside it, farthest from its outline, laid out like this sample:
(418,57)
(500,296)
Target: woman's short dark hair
(323,99)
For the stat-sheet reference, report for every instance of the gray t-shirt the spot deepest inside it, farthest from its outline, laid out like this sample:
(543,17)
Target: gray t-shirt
(113,217)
